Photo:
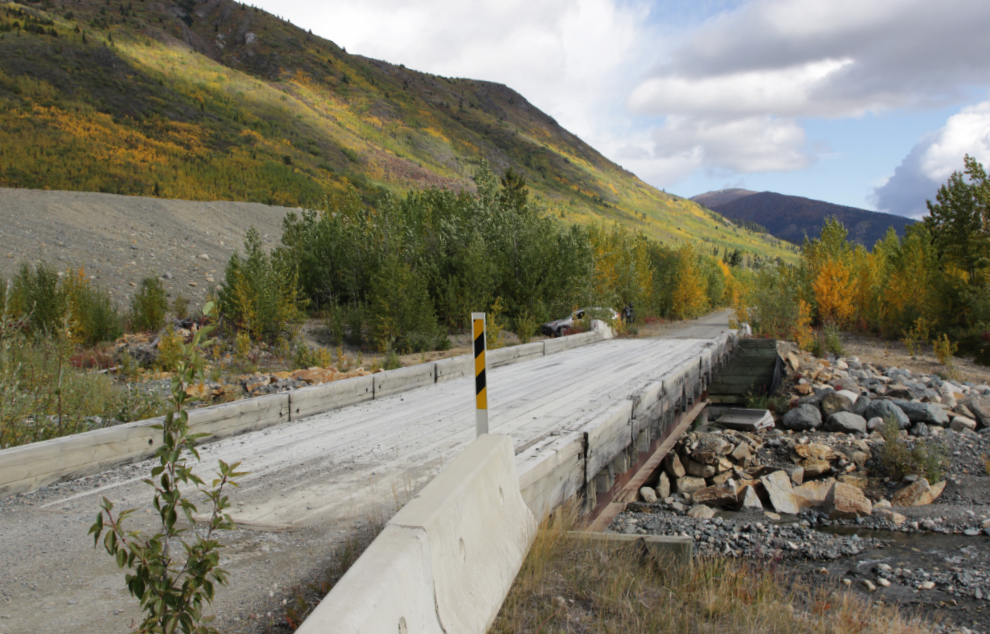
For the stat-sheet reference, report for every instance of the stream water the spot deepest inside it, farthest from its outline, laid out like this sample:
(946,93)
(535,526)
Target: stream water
(957,565)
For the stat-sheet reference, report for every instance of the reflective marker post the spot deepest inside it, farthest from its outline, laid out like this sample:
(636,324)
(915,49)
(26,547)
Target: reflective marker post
(480,387)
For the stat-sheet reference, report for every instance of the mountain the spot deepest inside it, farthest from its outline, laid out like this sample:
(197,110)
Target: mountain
(792,218)
(720,197)
(216,100)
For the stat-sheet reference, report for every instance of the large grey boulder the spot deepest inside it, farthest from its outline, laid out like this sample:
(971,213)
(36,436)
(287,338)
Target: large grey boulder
(885,409)
(846,422)
(835,402)
(861,405)
(803,418)
(980,408)
(923,412)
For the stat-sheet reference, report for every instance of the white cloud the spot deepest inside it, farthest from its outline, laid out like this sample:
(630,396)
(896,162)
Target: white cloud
(570,58)
(753,144)
(756,92)
(761,68)
(933,159)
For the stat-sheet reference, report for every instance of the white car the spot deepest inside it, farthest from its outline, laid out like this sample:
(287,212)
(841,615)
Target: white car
(563,326)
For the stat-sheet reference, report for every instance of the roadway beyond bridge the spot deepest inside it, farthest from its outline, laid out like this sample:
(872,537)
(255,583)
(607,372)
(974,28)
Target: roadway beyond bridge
(313,483)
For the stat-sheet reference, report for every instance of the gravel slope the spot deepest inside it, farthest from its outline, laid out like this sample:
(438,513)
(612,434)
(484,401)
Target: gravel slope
(121,239)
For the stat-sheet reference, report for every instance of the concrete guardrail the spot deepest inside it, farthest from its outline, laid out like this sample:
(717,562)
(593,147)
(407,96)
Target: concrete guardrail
(445,562)
(39,464)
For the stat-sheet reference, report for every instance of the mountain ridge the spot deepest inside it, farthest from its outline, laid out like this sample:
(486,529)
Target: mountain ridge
(220,101)
(793,218)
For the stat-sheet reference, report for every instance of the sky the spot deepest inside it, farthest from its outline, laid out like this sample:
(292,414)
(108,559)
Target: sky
(870,104)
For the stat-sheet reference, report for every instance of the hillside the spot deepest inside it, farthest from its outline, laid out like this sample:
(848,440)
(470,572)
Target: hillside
(721,197)
(220,101)
(792,218)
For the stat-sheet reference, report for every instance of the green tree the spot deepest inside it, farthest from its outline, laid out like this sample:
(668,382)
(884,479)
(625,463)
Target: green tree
(959,219)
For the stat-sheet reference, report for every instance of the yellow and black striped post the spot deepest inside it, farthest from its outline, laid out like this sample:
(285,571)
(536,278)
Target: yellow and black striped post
(480,385)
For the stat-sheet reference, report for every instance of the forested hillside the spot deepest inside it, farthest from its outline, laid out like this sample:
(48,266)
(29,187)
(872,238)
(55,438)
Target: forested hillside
(793,218)
(218,100)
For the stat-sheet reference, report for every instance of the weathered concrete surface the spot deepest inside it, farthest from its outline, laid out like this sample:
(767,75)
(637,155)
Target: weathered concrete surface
(448,558)
(312,480)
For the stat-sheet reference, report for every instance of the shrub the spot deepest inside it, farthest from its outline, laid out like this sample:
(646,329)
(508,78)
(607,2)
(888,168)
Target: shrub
(170,350)
(525,327)
(927,458)
(173,592)
(149,305)
(180,307)
(260,294)
(38,295)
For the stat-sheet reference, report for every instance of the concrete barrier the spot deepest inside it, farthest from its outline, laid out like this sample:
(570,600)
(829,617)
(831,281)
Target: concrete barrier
(404,379)
(468,532)
(42,463)
(514,354)
(454,367)
(230,419)
(321,398)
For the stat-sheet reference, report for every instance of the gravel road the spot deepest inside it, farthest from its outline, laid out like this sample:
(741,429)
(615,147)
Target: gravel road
(121,239)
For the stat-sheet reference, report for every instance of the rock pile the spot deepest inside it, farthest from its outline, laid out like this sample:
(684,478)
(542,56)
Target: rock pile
(258,384)
(782,472)
(844,395)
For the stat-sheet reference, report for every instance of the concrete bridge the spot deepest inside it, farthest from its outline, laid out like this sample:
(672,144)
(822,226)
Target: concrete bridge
(582,423)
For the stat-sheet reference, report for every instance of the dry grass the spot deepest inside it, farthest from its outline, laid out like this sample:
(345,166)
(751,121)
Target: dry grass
(574,585)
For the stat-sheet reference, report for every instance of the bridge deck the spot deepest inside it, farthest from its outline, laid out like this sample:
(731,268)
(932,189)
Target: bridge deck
(319,478)
(342,461)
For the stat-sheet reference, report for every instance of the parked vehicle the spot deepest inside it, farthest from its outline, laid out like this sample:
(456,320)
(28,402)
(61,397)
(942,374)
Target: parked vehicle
(564,326)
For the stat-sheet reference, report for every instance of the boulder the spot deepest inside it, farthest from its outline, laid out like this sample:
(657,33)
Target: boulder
(918,493)
(698,469)
(835,402)
(649,495)
(690,485)
(778,488)
(884,409)
(672,465)
(858,481)
(874,424)
(750,500)
(849,394)
(814,468)
(923,412)
(741,452)
(663,486)
(701,512)
(920,429)
(891,516)
(797,476)
(979,406)
(814,493)
(816,451)
(716,496)
(847,502)
(803,418)
(845,422)
(961,423)
(861,405)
